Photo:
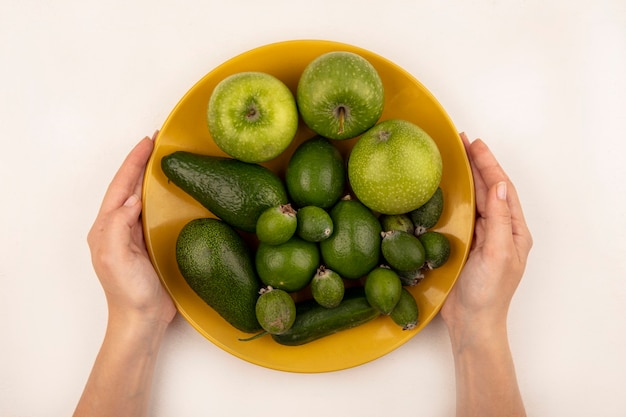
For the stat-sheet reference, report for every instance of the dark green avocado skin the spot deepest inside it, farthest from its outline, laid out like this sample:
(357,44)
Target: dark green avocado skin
(218,266)
(237,192)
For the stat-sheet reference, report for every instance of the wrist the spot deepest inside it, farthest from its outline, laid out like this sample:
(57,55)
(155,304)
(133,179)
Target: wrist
(121,378)
(155,311)
(485,374)
(477,333)
(135,327)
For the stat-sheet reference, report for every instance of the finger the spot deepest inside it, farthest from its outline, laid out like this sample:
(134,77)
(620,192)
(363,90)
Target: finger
(139,185)
(480,189)
(465,140)
(490,170)
(116,230)
(498,224)
(486,163)
(521,232)
(492,173)
(130,212)
(128,179)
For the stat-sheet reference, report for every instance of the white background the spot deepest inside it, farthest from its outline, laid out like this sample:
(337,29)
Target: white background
(542,82)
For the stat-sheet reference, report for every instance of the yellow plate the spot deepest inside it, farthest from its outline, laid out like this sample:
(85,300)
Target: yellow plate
(167,208)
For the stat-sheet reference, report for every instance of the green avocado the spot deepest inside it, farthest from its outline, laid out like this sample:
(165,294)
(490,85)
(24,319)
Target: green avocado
(218,266)
(237,192)
(353,249)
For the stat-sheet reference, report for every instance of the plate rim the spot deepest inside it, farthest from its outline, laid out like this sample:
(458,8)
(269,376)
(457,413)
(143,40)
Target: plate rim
(150,166)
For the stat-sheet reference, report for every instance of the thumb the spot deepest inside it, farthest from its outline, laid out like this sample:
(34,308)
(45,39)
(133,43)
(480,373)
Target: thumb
(132,209)
(498,225)
(114,232)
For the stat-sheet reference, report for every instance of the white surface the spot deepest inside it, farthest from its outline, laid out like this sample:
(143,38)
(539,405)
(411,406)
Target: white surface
(541,81)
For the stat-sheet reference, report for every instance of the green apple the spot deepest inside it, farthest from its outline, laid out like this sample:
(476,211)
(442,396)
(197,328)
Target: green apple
(252,116)
(394,167)
(340,95)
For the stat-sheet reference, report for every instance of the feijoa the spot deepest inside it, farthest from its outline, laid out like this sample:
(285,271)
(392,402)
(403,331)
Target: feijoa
(402,251)
(406,313)
(276,224)
(411,278)
(314,224)
(400,222)
(383,289)
(436,247)
(275,310)
(428,214)
(289,266)
(327,287)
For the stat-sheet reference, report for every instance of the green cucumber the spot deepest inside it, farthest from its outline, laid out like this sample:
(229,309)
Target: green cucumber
(314,321)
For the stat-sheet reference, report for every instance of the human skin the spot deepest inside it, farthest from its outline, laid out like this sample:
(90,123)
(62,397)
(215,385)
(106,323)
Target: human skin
(476,309)
(139,309)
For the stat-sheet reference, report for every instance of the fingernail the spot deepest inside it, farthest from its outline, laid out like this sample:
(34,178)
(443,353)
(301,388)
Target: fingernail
(154,135)
(131,201)
(501,190)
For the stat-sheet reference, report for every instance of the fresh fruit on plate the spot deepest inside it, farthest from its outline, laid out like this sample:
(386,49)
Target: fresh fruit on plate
(277,224)
(354,247)
(234,191)
(395,167)
(437,248)
(252,116)
(166,209)
(314,321)
(383,289)
(217,265)
(411,278)
(340,95)
(401,222)
(428,214)
(403,251)
(406,313)
(315,174)
(314,224)
(275,310)
(327,287)
(289,266)
(394,171)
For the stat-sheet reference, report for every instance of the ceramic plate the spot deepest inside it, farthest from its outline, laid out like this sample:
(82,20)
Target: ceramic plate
(167,208)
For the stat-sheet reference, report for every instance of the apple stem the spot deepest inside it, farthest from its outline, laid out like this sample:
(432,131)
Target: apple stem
(342,116)
(253,113)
